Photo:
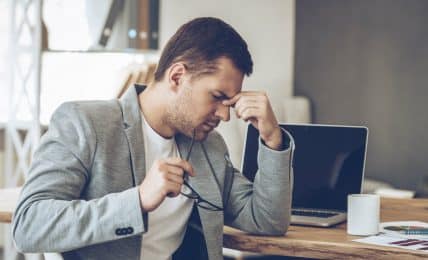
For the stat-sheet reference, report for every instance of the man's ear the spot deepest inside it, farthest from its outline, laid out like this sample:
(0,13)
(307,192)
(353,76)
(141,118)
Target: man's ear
(176,75)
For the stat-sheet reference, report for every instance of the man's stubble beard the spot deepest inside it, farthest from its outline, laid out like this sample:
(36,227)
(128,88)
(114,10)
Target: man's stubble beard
(178,114)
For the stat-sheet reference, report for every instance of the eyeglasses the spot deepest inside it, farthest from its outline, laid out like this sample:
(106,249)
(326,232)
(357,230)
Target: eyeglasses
(191,193)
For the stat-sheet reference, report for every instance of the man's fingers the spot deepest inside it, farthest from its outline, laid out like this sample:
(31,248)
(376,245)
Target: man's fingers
(173,189)
(246,102)
(247,112)
(175,178)
(243,102)
(176,170)
(244,95)
(173,160)
(252,114)
(253,93)
(232,101)
(178,162)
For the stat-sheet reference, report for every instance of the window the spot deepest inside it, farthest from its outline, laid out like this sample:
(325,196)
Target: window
(4,60)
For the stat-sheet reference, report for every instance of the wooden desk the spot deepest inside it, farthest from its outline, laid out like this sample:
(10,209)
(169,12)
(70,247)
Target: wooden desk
(332,243)
(8,200)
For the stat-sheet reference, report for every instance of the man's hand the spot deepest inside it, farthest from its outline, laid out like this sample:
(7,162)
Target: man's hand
(254,106)
(164,178)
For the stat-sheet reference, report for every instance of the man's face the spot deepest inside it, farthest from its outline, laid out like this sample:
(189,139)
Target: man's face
(198,105)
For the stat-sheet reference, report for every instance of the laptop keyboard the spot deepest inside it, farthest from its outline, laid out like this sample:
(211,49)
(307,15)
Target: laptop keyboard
(307,213)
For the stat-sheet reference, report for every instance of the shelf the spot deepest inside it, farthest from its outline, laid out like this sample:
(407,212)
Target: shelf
(125,51)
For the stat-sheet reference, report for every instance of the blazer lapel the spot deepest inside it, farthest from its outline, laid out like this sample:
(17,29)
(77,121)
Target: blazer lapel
(133,130)
(206,185)
(204,182)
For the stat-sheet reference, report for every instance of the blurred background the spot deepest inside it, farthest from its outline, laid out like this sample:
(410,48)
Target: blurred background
(354,62)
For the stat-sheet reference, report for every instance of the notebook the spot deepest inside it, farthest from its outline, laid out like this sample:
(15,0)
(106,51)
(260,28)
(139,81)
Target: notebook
(328,165)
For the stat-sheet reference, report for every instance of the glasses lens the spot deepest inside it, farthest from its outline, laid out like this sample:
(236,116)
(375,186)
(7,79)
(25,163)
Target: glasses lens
(190,193)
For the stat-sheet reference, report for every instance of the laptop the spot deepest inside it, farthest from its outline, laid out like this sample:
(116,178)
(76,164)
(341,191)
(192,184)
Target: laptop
(328,165)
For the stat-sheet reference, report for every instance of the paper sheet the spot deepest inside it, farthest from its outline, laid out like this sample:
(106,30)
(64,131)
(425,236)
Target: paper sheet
(394,239)
(390,241)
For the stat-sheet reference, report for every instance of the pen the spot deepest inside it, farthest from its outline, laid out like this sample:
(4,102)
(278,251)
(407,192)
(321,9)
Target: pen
(408,230)
(423,231)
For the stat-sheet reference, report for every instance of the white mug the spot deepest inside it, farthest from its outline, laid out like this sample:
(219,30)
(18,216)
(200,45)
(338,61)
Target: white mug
(363,214)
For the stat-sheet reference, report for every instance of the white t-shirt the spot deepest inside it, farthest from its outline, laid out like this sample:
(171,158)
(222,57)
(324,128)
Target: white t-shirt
(167,223)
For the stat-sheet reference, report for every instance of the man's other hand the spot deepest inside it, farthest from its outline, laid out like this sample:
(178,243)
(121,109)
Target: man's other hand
(254,106)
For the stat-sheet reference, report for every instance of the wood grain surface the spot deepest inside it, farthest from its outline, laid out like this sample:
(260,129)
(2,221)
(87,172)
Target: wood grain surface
(334,242)
(8,200)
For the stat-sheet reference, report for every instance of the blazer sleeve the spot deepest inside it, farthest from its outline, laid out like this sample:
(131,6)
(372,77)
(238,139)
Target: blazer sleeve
(50,215)
(263,207)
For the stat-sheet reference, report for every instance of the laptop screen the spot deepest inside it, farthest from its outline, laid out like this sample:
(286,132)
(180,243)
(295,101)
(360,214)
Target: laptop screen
(328,163)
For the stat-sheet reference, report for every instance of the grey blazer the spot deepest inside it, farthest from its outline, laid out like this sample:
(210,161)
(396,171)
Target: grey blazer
(81,196)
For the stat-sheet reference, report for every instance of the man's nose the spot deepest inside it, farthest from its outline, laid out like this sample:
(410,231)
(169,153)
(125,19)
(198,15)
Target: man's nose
(223,112)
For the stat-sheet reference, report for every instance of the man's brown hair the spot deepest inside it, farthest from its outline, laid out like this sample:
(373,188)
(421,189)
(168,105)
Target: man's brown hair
(199,43)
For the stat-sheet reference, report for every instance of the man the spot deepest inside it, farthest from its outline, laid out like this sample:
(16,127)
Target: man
(145,176)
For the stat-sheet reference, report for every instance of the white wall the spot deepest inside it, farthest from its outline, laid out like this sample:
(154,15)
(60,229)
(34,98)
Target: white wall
(267,26)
